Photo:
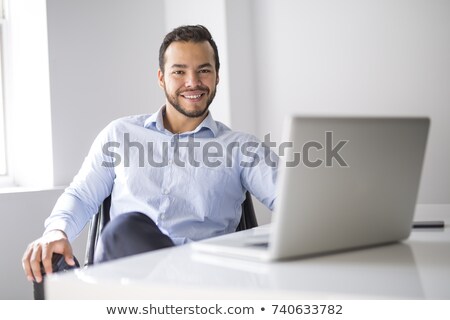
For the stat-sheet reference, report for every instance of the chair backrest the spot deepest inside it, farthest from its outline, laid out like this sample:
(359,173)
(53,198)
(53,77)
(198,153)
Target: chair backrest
(101,218)
(98,222)
(248,217)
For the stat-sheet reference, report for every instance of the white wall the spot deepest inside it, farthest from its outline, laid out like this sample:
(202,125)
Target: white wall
(361,57)
(103,65)
(23,215)
(241,65)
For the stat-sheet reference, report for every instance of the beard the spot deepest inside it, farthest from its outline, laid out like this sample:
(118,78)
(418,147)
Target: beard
(175,102)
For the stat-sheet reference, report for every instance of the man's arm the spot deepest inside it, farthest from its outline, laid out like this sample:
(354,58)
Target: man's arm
(92,184)
(259,170)
(74,208)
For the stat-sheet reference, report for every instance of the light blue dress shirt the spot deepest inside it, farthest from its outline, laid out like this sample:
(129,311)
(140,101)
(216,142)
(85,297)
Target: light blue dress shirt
(191,185)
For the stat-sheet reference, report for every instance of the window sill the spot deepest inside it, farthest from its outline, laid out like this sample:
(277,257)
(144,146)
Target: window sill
(18,189)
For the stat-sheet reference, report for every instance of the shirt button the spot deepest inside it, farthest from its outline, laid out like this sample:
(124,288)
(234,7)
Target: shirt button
(165,191)
(170,161)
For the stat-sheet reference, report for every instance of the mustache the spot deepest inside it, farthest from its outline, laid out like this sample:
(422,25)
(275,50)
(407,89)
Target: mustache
(198,88)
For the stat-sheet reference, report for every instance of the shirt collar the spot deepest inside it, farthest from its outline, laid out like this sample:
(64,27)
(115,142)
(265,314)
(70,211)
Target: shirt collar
(156,121)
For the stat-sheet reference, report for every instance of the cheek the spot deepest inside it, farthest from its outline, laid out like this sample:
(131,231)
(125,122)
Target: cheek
(173,83)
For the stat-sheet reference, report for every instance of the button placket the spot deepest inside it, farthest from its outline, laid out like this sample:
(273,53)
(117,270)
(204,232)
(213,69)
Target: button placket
(165,185)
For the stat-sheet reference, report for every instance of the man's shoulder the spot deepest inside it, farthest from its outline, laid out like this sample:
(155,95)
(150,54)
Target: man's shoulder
(126,123)
(227,133)
(133,120)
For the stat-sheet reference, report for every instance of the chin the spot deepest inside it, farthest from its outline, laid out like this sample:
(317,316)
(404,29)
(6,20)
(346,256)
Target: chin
(191,112)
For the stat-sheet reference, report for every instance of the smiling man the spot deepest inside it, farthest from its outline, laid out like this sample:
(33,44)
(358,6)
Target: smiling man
(189,81)
(177,196)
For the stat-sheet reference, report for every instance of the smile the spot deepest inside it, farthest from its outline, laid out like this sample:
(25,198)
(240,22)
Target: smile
(193,95)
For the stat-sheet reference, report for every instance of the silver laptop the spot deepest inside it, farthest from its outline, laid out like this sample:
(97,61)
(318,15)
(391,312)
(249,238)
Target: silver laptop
(346,183)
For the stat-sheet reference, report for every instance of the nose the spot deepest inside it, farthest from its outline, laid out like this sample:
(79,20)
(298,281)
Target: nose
(192,80)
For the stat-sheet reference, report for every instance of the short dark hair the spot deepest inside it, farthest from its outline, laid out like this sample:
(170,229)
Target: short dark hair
(197,33)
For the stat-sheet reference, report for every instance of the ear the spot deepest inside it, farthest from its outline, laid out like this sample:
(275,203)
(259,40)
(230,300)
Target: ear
(160,78)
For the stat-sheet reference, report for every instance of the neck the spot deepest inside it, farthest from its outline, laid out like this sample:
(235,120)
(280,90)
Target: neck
(176,122)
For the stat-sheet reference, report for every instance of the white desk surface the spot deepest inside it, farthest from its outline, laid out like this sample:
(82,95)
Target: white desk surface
(418,268)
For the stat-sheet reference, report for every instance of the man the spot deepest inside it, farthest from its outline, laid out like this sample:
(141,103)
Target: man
(175,176)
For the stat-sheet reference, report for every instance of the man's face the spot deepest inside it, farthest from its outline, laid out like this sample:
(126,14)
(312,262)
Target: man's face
(190,78)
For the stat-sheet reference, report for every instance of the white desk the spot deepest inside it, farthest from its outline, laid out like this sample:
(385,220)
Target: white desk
(418,268)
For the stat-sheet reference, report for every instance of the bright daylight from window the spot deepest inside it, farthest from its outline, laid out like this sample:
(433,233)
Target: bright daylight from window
(2,109)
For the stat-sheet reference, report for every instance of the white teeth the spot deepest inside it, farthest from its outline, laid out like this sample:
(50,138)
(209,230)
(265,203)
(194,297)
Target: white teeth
(193,97)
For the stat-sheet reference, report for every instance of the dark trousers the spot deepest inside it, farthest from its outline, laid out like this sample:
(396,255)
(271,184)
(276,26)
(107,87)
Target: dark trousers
(129,234)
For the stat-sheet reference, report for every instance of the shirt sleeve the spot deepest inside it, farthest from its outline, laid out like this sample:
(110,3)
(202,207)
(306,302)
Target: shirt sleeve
(92,184)
(259,169)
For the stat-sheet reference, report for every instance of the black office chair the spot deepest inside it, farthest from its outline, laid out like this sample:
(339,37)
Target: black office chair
(99,221)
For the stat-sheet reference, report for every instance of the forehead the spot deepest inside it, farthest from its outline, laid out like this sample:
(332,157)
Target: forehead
(189,53)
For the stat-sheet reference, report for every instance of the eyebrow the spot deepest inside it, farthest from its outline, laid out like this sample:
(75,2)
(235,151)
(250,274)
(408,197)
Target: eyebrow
(184,66)
(178,66)
(205,65)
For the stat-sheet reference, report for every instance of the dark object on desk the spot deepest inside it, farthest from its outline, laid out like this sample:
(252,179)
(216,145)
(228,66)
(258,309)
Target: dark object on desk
(59,264)
(101,218)
(428,224)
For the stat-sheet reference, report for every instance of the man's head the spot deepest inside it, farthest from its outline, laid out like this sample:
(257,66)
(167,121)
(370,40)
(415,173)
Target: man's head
(188,70)
(194,34)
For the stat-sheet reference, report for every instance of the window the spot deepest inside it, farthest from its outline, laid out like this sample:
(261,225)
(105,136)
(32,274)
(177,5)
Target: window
(25,65)
(3,164)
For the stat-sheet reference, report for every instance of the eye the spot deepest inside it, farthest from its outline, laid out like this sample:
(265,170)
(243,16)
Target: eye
(204,71)
(178,72)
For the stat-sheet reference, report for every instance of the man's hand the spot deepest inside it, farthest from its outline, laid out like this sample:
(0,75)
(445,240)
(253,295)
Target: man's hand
(41,250)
